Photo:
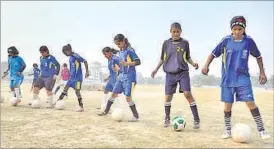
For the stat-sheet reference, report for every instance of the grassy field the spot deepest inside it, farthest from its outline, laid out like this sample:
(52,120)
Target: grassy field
(23,127)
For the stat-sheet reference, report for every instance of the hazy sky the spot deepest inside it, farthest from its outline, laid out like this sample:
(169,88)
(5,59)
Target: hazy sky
(90,26)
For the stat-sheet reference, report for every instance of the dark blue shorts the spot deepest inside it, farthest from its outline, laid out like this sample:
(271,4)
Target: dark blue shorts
(110,85)
(126,84)
(75,84)
(243,93)
(173,79)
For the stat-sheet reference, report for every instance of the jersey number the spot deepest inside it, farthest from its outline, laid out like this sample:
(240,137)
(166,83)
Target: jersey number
(178,48)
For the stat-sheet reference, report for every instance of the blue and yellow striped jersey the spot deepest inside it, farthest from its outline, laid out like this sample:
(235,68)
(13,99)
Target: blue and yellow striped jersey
(128,55)
(75,61)
(111,64)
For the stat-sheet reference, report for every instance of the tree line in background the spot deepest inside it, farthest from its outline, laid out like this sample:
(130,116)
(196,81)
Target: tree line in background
(197,80)
(201,80)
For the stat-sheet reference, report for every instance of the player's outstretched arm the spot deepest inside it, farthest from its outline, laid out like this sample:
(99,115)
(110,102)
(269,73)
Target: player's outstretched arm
(189,59)
(57,65)
(87,71)
(162,60)
(157,68)
(6,72)
(262,77)
(205,70)
(106,79)
(194,64)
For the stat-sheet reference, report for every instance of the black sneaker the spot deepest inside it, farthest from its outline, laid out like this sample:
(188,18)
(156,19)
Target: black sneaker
(166,123)
(196,125)
(102,113)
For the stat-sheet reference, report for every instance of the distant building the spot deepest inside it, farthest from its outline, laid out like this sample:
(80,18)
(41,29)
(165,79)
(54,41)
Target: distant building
(96,77)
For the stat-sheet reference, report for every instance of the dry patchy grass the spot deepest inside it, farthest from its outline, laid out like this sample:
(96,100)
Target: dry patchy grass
(25,127)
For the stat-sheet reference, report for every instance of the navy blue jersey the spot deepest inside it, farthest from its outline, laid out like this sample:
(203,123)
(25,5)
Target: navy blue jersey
(175,55)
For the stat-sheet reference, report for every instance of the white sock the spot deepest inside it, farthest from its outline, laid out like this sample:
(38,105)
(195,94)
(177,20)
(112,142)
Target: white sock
(35,96)
(105,99)
(17,93)
(12,94)
(117,102)
(20,91)
(50,99)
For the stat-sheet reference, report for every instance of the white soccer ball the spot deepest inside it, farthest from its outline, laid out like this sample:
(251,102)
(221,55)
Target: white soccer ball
(241,133)
(2,99)
(60,105)
(13,101)
(118,114)
(36,104)
(32,100)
